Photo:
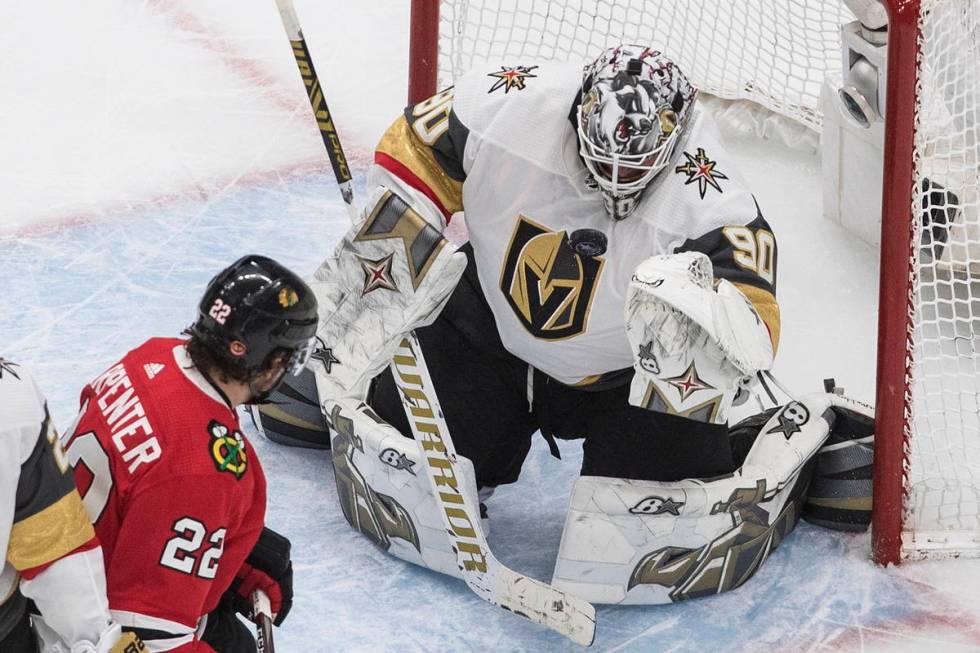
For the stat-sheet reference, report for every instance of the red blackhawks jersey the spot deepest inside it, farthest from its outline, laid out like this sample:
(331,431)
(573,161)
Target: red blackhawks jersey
(176,494)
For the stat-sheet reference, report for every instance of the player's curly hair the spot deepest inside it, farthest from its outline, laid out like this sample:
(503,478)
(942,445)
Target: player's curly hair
(207,360)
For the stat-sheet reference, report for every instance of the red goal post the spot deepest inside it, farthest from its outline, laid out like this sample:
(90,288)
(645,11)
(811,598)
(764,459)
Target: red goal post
(918,292)
(892,408)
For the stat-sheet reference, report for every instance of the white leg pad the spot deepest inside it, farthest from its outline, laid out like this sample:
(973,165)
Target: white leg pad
(383,489)
(647,542)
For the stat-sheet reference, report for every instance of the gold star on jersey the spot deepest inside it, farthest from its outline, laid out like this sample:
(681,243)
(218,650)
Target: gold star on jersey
(701,169)
(508,78)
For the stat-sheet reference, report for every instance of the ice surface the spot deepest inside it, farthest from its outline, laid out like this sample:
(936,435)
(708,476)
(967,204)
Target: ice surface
(147,144)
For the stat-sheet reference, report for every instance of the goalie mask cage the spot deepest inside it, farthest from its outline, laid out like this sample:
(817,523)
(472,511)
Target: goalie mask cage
(777,53)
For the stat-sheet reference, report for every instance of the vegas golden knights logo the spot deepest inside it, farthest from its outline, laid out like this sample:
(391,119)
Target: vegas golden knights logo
(393,218)
(549,286)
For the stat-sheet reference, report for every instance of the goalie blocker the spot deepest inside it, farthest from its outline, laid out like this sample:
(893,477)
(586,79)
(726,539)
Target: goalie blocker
(391,273)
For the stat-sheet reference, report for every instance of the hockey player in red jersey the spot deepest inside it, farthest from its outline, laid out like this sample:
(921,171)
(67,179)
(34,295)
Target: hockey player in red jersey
(176,493)
(50,552)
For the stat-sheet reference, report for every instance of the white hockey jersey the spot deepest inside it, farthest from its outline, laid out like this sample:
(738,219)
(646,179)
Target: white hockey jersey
(502,148)
(49,545)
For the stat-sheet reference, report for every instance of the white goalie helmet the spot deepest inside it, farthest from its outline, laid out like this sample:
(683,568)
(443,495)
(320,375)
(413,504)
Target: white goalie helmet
(635,104)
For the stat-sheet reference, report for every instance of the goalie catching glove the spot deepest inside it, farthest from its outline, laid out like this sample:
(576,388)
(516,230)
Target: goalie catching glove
(694,338)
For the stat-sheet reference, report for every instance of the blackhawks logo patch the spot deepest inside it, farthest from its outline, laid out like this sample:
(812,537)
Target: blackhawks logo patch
(227,449)
(288,297)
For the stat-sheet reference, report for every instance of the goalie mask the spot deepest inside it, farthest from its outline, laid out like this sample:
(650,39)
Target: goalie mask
(635,104)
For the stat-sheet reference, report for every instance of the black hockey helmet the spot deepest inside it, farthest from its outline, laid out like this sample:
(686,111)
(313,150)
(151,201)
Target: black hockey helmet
(263,305)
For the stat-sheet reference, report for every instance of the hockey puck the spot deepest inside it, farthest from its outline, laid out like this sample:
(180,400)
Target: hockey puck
(588,242)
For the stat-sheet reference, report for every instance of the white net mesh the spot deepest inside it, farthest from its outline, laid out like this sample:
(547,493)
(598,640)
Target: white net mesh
(943,505)
(793,44)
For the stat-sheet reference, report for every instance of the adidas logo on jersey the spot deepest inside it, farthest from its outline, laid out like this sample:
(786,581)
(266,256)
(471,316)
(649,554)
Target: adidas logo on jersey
(152,369)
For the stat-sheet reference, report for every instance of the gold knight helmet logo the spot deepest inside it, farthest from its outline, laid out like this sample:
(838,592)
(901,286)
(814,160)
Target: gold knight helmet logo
(549,286)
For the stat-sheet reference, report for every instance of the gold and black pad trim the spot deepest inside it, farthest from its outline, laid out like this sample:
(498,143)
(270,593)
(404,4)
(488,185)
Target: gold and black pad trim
(292,414)
(731,558)
(840,494)
(49,518)
(706,411)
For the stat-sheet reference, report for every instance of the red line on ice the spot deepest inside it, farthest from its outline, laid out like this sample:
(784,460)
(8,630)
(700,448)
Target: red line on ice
(937,615)
(236,61)
(203,190)
(290,100)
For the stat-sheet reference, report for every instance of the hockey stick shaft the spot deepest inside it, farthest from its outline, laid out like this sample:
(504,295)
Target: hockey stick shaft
(484,575)
(262,609)
(324,119)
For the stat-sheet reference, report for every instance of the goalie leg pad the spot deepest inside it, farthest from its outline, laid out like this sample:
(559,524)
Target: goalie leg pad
(292,415)
(648,542)
(840,492)
(383,489)
(839,497)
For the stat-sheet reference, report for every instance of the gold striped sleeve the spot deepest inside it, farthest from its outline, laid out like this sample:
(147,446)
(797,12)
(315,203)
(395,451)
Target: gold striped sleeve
(766,306)
(50,534)
(401,145)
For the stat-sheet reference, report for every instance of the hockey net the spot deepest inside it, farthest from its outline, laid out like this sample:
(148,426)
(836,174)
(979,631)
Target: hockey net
(777,53)
(942,403)
(799,41)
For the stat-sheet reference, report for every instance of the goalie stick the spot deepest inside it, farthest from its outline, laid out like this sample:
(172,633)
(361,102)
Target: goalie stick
(486,576)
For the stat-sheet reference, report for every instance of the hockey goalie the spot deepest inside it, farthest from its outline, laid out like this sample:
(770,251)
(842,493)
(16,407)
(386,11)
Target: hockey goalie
(617,285)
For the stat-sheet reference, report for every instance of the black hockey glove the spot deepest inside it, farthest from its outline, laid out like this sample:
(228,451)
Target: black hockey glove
(267,568)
